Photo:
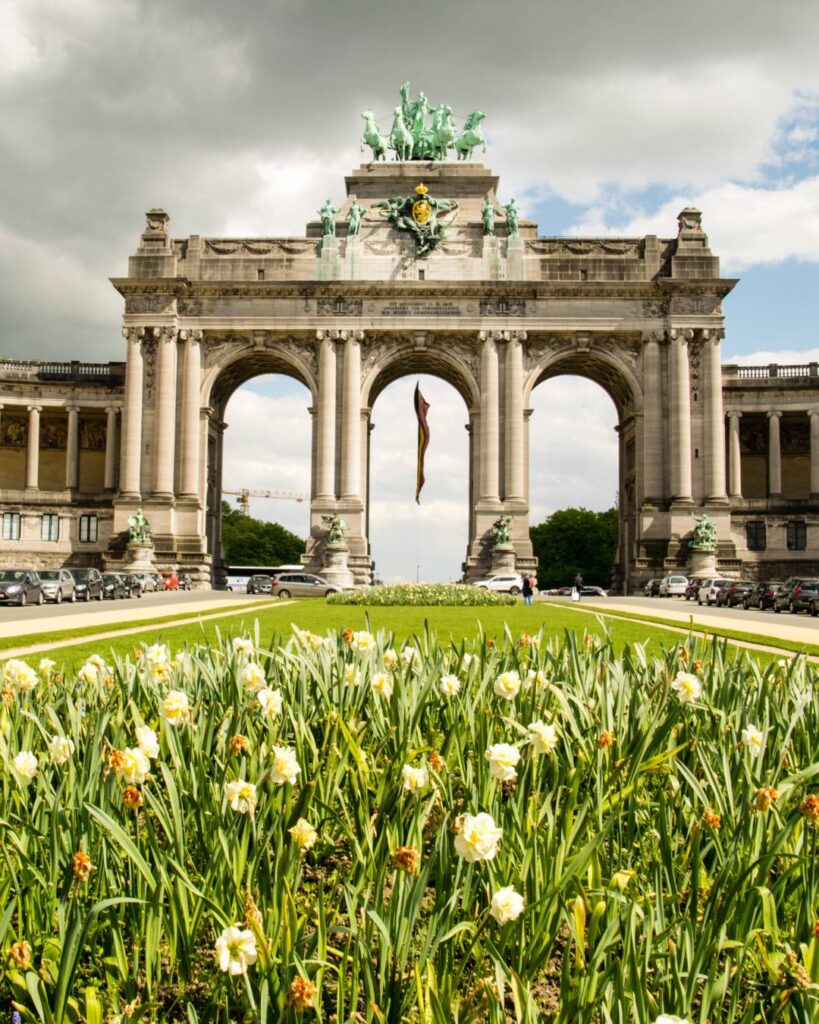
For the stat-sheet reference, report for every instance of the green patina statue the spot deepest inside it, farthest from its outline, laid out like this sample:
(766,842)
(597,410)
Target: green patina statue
(511,210)
(354,218)
(336,529)
(327,214)
(488,212)
(413,138)
(139,529)
(419,214)
(500,530)
(704,537)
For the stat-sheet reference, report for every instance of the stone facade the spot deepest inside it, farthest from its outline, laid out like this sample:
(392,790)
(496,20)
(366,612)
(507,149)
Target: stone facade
(346,315)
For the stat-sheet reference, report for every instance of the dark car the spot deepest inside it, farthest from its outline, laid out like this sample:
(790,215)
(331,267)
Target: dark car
(593,592)
(184,581)
(260,584)
(87,584)
(800,596)
(693,588)
(58,585)
(734,593)
(762,596)
(112,586)
(133,584)
(653,588)
(20,586)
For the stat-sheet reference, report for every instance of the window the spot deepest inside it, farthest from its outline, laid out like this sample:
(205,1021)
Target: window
(11,526)
(755,535)
(50,527)
(797,536)
(88,529)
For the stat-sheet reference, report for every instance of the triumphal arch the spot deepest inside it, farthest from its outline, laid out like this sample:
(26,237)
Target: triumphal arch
(422,264)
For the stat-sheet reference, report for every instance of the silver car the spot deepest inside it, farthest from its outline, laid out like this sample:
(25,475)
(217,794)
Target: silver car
(302,584)
(58,585)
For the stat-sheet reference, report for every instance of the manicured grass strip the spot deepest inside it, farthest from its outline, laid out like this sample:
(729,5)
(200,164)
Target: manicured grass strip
(8,643)
(796,646)
(318,617)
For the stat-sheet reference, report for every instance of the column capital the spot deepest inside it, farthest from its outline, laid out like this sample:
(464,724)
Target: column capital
(193,336)
(652,336)
(715,334)
(133,333)
(811,412)
(71,407)
(733,414)
(205,412)
(681,334)
(34,408)
(113,408)
(502,336)
(165,333)
(339,335)
(774,413)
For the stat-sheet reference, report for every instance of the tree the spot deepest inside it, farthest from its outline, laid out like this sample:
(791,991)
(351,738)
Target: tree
(249,541)
(572,540)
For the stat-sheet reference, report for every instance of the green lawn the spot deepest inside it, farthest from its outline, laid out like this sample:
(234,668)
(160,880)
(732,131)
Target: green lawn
(276,621)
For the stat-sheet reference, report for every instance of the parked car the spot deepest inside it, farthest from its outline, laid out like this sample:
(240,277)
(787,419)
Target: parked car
(133,584)
(58,585)
(159,580)
(798,594)
(509,583)
(87,584)
(184,581)
(20,586)
(146,581)
(693,587)
(260,584)
(112,586)
(734,593)
(762,596)
(707,594)
(673,586)
(301,584)
(170,581)
(593,592)
(653,588)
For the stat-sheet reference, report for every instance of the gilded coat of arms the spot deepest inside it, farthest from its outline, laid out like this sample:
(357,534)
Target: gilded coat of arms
(421,215)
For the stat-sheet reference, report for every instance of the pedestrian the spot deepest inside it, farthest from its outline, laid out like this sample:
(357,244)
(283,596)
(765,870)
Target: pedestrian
(527,590)
(578,585)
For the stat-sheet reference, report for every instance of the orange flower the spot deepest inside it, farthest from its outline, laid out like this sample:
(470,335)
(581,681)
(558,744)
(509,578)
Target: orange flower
(347,636)
(810,808)
(697,666)
(710,818)
(816,929)
(436,762)
(82,866)
(238,745)
(406,859)
(8,694)
(301,993)
(131,797)
(764,798)
(606,739)
(116,759)
(490,642)
(20,954)
(684,654)
(525,640)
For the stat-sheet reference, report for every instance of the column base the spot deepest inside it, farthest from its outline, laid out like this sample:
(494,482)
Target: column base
(161,496)
(717,499)
(683,501)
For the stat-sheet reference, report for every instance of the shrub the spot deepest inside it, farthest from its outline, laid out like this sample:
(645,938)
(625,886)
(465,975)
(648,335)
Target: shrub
(423,594)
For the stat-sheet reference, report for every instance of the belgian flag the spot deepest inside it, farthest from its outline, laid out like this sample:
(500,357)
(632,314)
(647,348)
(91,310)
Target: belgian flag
(421,409)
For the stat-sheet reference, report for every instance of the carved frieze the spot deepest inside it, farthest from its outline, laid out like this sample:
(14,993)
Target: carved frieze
(340,306)
(584,247)
(149,303)
(695,369)
(697,304)
(259,247)
(503,307)
(149,362)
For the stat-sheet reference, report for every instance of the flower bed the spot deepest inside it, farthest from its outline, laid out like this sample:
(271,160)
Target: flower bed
(423,594)
(443,832)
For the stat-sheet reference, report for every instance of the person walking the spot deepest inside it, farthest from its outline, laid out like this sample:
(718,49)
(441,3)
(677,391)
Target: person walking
(527,590)
(578,584)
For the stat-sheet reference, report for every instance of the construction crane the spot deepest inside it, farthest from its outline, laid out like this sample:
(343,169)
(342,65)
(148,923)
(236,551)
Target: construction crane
(246,493)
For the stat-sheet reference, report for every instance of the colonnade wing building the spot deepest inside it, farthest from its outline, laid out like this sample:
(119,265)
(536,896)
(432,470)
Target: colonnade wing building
(493,308)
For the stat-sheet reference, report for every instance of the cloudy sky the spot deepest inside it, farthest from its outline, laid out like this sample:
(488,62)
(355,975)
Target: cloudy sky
(240,118)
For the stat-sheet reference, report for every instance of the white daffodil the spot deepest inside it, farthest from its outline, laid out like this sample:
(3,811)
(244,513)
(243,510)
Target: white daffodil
(543,737)
(502,758)
(285,767)
(147,742)
(382,684)
(60,749)
(507,905)
(46,666)
(390,659)
(450,685)
(175,708)
(507,685)
(303,834)
(236,950)
(414,779)
(252,677)
(362,641)
(241,796)
(687,687)
(242,645)
(19,674)
(752,738)
(478,837)
(270,702)
(134,766)
(26,765)
(352,675)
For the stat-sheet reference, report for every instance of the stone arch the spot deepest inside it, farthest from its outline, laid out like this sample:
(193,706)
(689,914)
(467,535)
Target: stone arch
(234,361)
(388,361)
(609,369)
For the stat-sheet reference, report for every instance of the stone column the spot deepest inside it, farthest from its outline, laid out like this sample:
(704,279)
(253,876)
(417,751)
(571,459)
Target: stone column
(190,428)
(774,456)
(165,412)
(653,484)
(131,449)
(680,417)
(814,453)
(111,448)
(734,456)
(351,416)
(326,418)
(714,418)
(33,450)
(514,475)
(72,452)
(489,441)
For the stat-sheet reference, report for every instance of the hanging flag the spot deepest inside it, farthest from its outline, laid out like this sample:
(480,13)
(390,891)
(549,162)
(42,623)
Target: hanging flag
(421,409)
